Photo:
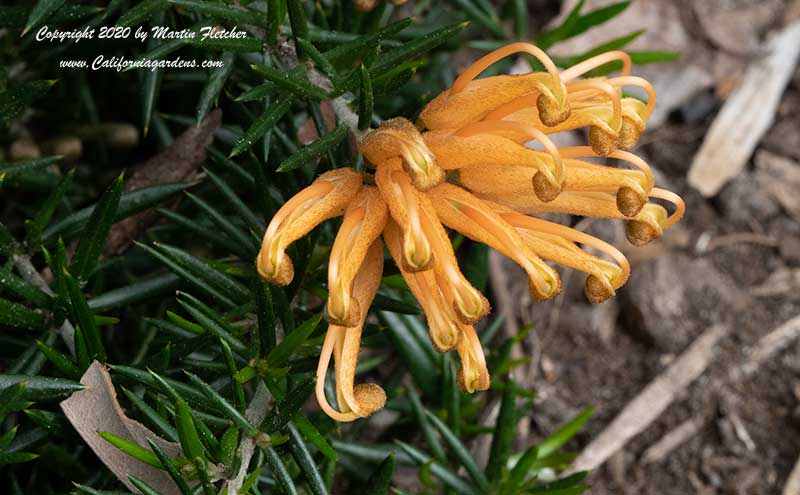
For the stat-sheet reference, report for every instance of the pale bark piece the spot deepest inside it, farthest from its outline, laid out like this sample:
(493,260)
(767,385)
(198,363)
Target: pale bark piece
(746,115)
(780,177)
(792,486)
(95,409)
(652,401)
(772,343)
(255,414)
(672,440)
(29,273)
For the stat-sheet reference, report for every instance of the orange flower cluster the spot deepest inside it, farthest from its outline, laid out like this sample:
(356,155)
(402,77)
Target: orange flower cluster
(471,171)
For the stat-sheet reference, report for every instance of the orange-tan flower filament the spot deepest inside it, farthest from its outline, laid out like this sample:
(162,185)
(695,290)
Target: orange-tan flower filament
(463,212)
(587,65)
(344,343)
(556,243)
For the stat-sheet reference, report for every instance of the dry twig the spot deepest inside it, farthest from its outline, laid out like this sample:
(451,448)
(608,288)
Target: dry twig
(652,401)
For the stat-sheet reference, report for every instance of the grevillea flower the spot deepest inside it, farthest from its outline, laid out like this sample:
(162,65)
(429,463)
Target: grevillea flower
(467,167)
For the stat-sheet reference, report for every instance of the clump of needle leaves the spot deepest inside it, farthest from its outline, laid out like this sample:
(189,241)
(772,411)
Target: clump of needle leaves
(142,351)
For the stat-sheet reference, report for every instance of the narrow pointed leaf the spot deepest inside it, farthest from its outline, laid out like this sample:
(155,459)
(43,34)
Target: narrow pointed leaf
(11,397)
(201,274)
(36,226)
(217,77)
(265,313)
(83,315)
(20,316)
(297,19)
(283,411)
(460,451)
(292,342)
(138,291)
(8,170)
(479,15)
(303,459)
(320,61)
(59,360)
(262,125)
(462,486)
(155,419)
(226,407)
(416,358)
(279,471)
(564,434)
(233,199)
(355,49)
(16,457)
(41,12)
(425,425)
(130,203)
(195,397)
(141,12)
(142,486)
(218,11)
(187,431)
(13,101)
(134,450)
(312,434)
(577,23)
(314,150)
(149,92)
(503,438)
(295,84)
(246,243)
(93,240)
(411,49)
(380,479)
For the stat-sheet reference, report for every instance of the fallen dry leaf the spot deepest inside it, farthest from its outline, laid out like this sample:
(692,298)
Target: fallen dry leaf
(178,162)
(95,409)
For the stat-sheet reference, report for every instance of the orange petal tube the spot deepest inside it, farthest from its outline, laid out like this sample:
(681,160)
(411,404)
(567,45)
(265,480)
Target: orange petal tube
(468,302)
(399,138)
(363,222)
(473,374)
(463,212)
(469,99)
(641,228)
(355,401)
(479,145)
(443,326)
(325,198)
(404,203)
(557,243)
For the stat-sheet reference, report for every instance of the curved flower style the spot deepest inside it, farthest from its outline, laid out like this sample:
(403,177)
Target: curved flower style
(471,171)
